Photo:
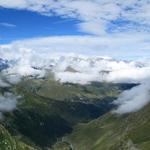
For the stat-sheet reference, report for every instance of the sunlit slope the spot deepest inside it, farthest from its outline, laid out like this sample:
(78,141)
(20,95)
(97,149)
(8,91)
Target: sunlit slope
(112,132)
(50,88)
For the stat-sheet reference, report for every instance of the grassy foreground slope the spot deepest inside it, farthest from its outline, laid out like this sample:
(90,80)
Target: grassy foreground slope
(112,132)
(7,142)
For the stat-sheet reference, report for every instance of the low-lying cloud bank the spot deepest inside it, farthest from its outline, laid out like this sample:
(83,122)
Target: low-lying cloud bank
(8,102)
(134,99)
(80,69)
(84,69)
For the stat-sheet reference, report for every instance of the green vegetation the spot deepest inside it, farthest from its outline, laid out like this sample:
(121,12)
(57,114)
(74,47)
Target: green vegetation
(60,116)
(7,142)
(55,90)
(112,132)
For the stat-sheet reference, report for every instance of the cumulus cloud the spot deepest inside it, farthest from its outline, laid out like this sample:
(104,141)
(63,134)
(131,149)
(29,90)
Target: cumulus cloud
(130,74)
(25,62)
(21,61)
(91,13)
(82,78)
(8,102)
(118,46)
(101,69)
(23,65)
(119,29)
(134,99)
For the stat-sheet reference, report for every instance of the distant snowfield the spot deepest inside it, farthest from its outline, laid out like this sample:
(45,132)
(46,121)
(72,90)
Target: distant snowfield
(82,69)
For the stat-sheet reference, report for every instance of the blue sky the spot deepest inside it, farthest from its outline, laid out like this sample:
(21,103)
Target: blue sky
(28,24)
(102,27)
(22,24)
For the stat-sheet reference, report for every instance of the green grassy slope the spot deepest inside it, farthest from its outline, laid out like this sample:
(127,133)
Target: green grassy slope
(48,109)
(49,88)
(7,142)
(112,132)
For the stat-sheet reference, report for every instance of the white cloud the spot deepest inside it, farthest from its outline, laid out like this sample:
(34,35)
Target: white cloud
(3,83)
(134,99)
(129,74)
(92,13)
(82,78)
(26,55)
(9,25)
(116,45)
(131,39)
(8,102)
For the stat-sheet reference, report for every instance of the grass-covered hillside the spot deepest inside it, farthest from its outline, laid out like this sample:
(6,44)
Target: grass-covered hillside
(112,132)
(8,142)
(48,110)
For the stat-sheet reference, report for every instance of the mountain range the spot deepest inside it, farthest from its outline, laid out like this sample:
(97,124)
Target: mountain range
(74,103)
